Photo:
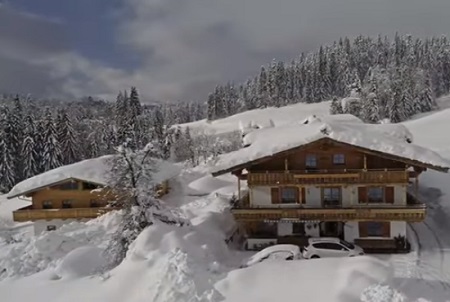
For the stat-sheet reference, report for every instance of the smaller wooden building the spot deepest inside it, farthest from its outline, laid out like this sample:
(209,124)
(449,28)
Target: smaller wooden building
(75,192)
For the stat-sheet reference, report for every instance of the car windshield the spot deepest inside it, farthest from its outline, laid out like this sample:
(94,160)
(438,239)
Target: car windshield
(347,244)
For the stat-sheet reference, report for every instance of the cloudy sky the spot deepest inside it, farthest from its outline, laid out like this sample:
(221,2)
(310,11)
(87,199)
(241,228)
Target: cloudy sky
(180,49)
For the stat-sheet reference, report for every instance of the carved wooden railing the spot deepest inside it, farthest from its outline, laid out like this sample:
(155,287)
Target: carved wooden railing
(29,214)
(327,177)
(414,213)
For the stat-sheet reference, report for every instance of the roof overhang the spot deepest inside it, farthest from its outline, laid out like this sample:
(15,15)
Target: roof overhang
(407,161)
(25,193)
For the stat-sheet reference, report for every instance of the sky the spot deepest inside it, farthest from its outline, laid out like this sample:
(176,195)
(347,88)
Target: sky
(181,49)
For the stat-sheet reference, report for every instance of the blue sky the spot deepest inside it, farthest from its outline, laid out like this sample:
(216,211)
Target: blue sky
(181,49)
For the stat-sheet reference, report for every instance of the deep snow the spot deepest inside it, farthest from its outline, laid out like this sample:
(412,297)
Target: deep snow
(194,264)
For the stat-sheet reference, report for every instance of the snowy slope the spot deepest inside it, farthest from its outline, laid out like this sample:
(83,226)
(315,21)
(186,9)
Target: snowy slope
(193,264)
(261,117)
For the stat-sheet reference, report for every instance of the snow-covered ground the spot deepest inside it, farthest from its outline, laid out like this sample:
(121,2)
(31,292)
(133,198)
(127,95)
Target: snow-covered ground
(194,263)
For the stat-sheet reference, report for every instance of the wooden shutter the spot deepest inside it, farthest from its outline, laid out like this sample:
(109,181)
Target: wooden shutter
(389,194)
(387,229)
(275,193)
(362,229)
(303,195)
(362,194)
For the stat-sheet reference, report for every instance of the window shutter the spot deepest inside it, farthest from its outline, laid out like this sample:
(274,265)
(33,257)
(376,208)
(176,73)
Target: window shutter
(362,229)
(275,193)
(362,195)
(389,194)
(387,229)
(303,195)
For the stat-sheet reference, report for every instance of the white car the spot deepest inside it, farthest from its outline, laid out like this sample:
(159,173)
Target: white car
(278,252)
(330,247)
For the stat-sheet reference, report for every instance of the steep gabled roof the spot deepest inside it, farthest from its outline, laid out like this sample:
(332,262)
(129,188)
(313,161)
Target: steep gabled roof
(392,141)
(95,170)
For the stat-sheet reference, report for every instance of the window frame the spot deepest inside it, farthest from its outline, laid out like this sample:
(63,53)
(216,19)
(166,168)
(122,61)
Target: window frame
(324,195)
(380,231)
(69,186)
(383,197)
(47,204)
(311,158)
(67,203)
(295,196)
(339,156)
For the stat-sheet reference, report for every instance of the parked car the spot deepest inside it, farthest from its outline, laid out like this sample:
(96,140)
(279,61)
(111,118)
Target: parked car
(330,247)
(278,252)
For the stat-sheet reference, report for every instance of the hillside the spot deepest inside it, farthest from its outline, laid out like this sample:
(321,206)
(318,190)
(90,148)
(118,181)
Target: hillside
(192,264)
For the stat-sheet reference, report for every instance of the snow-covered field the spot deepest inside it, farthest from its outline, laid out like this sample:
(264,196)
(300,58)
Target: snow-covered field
(193,263)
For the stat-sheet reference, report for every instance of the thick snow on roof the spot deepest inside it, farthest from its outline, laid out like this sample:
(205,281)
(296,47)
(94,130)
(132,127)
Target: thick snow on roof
(394,139)
(95,170)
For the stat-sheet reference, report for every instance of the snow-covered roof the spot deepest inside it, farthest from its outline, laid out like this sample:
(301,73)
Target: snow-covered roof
(95,170)
(391,139)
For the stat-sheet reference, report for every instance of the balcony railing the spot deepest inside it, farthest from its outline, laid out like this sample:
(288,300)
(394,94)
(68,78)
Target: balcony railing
(327,177)
(29,214)
(415,213)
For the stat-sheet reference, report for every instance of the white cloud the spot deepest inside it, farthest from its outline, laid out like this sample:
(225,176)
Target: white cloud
(186,47)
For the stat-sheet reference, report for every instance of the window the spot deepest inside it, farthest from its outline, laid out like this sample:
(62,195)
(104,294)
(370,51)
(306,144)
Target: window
(347,244)
(289,195)
(339,159)
(375,195)
(47,204)
(375,229)
(67,203)
(89,186)
(311,161)
(331,196)
(72,185)
(51,227)
(328,246)
(298,228)
(94,203)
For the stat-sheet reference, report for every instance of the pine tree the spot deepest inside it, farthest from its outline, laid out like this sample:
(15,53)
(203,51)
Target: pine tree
(67,139)
(336,106)
(30,152)
(135,104)
(131,178)
(370,112)
(52,157)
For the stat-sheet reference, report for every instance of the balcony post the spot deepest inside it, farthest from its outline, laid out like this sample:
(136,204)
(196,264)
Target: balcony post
(365,162)
(239,188)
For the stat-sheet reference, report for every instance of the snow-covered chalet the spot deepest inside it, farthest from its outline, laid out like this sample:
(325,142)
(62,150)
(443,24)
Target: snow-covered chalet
(329,176)
(75,192)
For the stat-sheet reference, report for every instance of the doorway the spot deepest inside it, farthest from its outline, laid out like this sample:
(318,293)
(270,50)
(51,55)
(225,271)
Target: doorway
(332,229)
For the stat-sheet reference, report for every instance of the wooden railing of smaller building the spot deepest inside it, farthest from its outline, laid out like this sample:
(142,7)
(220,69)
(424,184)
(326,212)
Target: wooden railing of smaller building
(318,177)
(29,214)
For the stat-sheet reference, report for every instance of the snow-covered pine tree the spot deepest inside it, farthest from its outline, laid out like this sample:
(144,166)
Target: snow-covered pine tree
(132,182)
(135,103)
(7,168)
(30,152)
(51,157)
(67,139)
(370,111)
(336,106)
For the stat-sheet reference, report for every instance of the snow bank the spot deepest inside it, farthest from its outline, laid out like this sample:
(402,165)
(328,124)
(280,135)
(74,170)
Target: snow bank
(392,139)
(344,279)
(6,209)
(206,185)
(35,254)
(81,262)
(94,170)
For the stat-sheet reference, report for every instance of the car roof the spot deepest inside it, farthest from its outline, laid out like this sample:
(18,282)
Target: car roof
(324,239)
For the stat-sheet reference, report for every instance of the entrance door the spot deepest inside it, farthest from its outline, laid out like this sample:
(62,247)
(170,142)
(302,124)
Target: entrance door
(332,229)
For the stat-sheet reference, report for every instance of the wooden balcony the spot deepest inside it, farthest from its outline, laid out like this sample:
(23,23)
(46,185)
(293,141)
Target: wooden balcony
(410,213)
(29,214)
(328,177)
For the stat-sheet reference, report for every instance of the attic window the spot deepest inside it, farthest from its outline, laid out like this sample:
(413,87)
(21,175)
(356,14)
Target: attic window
(71,185)
(339,159)
(311,161)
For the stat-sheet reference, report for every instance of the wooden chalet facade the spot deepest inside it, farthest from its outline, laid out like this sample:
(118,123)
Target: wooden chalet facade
(331,189)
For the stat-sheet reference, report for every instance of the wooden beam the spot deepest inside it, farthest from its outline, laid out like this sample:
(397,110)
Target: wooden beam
(239,188)
(309,176)
(365,162)
(286,165)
